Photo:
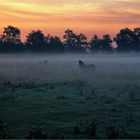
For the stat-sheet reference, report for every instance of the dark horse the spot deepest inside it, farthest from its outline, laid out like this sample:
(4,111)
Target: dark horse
(86,68)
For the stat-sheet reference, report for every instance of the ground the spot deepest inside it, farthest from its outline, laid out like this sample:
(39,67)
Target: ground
(109,96)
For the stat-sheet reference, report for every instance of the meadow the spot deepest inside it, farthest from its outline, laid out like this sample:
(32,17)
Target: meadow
(51,92)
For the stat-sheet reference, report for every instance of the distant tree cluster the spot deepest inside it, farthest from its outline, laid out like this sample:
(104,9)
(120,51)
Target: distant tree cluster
(36,41)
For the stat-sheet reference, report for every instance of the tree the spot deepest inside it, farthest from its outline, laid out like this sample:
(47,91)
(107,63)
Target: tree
(36,41)
(74,42)
(54,44)
(10,39)
(137,38)
(125,39)
(95,43)
(106,43)
(11,34)
(69,40)
(1,44)
(81,43)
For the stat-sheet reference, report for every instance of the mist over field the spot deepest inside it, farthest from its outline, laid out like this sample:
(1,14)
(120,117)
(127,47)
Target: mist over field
(51,94)
(65,67)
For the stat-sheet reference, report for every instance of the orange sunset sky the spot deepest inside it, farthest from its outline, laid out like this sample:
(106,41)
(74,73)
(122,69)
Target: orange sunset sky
(55,16)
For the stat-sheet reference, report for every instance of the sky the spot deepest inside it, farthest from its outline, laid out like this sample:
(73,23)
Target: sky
(55,16)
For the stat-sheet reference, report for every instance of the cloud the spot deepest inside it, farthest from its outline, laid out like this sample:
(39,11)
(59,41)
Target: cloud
(81,15)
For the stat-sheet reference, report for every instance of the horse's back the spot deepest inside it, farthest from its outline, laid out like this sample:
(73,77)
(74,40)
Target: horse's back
(85,67)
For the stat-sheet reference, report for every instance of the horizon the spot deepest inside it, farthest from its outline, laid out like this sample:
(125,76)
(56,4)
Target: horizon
(54,17)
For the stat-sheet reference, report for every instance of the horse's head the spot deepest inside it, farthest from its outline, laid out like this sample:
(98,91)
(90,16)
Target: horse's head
(81,63)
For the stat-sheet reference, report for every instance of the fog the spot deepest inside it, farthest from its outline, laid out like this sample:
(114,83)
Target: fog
(57,92)
(64,67)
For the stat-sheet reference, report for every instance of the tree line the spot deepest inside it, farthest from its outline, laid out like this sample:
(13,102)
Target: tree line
(36,41)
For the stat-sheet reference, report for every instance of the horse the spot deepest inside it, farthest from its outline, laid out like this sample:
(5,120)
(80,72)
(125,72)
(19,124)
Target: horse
(86,67)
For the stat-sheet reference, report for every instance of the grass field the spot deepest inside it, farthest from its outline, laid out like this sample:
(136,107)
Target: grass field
(56,96)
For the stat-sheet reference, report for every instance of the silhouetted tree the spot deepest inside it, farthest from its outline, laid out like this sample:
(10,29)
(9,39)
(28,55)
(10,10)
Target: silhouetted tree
(125,39)
(95,43)
(11,34)
(81,44)
(36,41)
(10,39)
(75,42)
(69,40)
(137,38)
(1,44)
(106,43)
(53,44)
